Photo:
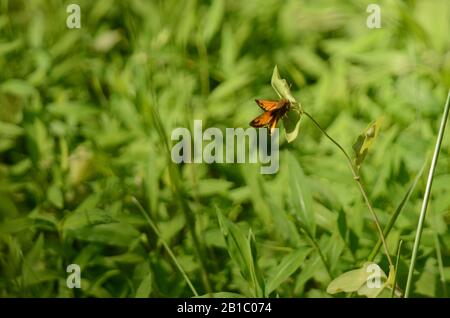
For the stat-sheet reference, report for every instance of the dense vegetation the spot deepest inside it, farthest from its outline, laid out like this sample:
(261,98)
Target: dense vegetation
(85,122)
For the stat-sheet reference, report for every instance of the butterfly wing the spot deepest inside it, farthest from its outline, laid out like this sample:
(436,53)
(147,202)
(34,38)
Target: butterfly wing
(273,124)
(274,110)
(269,105)
(267,119)
(262,120)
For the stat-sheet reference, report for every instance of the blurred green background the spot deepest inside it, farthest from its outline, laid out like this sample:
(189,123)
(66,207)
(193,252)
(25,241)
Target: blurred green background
(80,137)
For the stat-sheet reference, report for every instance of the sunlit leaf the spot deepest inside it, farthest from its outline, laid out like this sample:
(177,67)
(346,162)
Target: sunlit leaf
(281,87)
(291,124)
(363,280)
(291,121)
(145,288)
(365,141)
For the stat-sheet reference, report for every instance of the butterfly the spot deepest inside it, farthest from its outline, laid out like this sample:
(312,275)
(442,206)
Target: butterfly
(274,110)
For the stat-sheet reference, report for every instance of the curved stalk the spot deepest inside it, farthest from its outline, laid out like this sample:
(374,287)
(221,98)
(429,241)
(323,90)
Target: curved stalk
(319,251)
(360,186)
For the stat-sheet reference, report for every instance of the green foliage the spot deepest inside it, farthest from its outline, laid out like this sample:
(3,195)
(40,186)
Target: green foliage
(86,117)
(243,251)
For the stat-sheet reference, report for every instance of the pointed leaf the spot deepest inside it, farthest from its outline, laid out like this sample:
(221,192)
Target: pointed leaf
(291,124)
(300,195)
(145,288)
(281,87)
(243,251)
(286,268)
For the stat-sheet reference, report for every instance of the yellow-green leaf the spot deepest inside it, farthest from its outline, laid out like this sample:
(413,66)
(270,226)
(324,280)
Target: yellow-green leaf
(145,288)
(357,280)
(291,124)
(282,88)
(365,141)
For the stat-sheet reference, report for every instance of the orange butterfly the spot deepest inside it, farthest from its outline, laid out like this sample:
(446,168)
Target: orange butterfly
(274,110)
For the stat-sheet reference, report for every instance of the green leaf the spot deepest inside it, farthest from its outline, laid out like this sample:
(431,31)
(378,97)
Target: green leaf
(80,165)
(116,234)
(348,282)
(209,187)
(291,124)
(291,121)
(368,281)
(282,88)
(365,141)
(300,195)
(16,225)
(81,218)
(391,278)
(243,252)
(55,196)
(11,256)
(8,130)
(213,20)
(17,87)
(145,288)
(30,265)
(286,268)
(257,277)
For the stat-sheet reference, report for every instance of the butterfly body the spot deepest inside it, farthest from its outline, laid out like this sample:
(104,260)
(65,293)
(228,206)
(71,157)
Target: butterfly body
(274,110)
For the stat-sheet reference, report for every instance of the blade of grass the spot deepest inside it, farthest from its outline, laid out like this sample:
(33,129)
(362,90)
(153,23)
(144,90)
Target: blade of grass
(178,193)
(440,264)
(426,197)
(313,242)
(394,284)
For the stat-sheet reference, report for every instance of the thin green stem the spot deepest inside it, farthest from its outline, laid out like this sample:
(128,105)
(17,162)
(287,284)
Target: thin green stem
(394,284)
(437,246)
(178,193)
(314,244)
(349,160)
(166,246)
(360,186)
(426,197)
(319,251)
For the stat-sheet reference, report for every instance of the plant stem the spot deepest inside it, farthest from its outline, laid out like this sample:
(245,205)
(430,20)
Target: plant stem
(426,197)
(178,193)
(437,246)
(166,246)
(314,244)
(360,186)
(394,284)
(319,251)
